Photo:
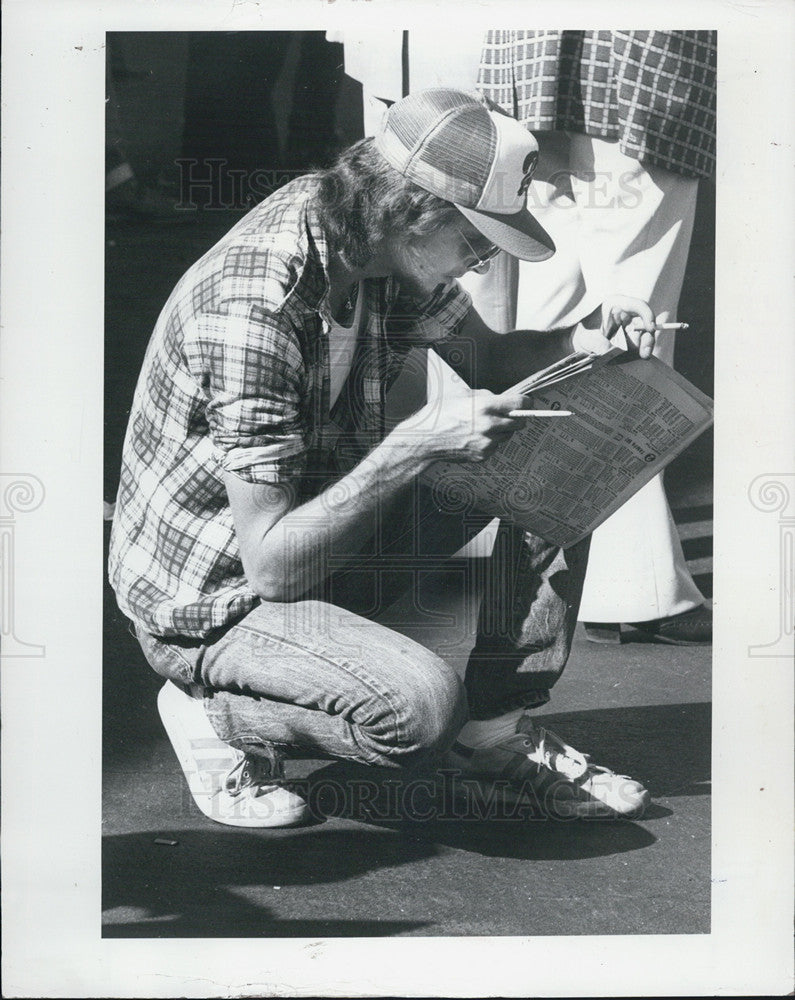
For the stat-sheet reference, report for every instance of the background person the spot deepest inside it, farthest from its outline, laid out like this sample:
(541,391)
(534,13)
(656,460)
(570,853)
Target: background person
(626,125)
(625,122)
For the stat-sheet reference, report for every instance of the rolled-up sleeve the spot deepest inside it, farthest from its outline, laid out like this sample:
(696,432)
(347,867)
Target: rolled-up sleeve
(249,364)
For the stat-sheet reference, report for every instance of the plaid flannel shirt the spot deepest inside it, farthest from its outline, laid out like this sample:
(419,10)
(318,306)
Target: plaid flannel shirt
(652,91)
(236,378)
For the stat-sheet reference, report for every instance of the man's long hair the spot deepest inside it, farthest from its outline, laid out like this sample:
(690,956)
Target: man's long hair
(362,202)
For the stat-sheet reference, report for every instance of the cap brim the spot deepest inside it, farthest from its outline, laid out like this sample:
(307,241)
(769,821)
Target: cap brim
(519,234)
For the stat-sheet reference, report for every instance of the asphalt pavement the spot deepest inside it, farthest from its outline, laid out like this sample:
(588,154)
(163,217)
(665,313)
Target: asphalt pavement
(390,856)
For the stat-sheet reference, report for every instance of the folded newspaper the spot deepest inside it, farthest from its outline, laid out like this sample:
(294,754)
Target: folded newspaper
(562,477)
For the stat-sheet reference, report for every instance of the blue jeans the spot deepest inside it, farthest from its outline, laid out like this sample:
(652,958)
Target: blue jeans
(319,677)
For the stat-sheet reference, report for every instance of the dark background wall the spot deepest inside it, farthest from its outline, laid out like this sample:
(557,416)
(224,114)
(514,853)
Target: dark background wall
(274,99)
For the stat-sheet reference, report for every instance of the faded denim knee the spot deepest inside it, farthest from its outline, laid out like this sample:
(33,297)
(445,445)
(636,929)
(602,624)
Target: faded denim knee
(428,713)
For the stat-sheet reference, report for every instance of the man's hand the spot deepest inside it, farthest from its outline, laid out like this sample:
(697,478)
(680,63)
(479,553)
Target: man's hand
(460,425)
(636,319)
(619,312)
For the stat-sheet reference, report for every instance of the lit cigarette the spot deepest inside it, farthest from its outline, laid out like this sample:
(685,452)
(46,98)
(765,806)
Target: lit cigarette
(540,413)
(673,326)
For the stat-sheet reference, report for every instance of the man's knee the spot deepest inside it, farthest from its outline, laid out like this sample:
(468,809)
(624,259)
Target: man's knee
(434,708)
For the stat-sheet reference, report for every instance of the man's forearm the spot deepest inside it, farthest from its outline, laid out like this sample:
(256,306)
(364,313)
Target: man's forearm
(309,542)
(287,550)
(515,355)
(494,361)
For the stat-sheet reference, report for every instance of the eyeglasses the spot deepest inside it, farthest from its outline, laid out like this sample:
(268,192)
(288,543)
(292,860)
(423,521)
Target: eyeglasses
(480,258)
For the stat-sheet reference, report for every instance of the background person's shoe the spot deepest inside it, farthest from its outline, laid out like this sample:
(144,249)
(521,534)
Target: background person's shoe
(228,786)
(553,775)
(690,628)
(605,632)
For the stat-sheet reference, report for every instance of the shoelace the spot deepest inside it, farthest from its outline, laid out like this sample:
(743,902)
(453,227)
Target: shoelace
(560,757)
(565,759)
(250,772)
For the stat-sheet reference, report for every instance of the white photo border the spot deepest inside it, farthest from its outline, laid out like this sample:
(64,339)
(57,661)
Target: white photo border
(51,362)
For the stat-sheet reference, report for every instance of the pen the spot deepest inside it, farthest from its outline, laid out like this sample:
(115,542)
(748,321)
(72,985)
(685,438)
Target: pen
(540,413)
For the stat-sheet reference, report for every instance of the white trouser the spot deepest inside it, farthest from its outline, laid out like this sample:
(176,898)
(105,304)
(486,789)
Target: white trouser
(619,228)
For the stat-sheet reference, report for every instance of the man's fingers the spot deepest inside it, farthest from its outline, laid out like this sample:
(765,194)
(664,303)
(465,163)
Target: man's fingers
(506,402)
(633,314)
(639,324)
(647,315)
(646,345)
(642,312)
(642,336)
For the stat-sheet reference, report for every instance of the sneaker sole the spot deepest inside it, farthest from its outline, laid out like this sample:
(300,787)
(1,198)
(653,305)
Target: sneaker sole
(206,760)
(538,806)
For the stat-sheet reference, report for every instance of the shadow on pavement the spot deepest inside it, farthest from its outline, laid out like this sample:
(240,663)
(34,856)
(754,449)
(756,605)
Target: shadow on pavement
(667,747)
(421,806)
(211,882)
(536,840)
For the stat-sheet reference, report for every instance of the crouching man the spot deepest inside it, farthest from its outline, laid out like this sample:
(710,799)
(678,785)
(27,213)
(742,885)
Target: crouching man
(264,504)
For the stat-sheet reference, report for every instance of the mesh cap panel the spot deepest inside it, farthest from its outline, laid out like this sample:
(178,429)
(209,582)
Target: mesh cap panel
(468,148)
(410,119)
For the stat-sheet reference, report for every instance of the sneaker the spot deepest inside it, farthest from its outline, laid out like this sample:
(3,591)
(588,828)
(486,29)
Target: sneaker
(559,778)
(227,785)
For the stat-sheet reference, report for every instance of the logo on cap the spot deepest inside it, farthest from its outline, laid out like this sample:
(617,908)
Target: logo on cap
(528,169)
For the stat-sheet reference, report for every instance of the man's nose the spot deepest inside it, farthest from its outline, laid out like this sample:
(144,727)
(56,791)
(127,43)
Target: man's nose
(481,268)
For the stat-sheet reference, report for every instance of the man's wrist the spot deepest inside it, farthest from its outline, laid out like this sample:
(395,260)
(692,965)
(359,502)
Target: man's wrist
(587,334)
(409,447)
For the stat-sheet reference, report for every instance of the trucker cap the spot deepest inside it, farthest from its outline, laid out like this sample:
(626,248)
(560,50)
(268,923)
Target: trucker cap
(482,161)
